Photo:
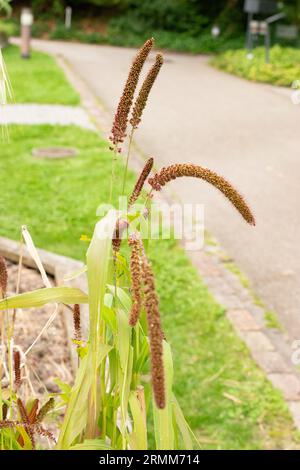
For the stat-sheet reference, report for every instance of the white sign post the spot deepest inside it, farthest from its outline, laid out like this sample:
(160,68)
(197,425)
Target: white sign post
(26,23)
(68,17)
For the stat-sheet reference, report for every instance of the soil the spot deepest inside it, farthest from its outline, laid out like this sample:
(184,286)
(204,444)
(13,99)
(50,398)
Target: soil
(49,359)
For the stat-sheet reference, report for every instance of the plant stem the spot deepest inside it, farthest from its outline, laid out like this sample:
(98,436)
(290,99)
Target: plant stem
(127,159)
(113,171)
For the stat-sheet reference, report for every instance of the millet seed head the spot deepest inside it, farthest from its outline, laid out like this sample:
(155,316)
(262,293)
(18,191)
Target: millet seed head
(172,172)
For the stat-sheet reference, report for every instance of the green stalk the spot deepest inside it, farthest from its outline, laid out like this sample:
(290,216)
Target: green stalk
(127,160)
(113,173)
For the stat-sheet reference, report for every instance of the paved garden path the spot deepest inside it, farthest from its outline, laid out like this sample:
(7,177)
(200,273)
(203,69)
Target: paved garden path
(45,114)
(247,132)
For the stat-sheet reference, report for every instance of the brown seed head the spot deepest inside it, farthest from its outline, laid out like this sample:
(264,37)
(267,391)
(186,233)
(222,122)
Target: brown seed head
(25,420)
(141,181)
(4,411)
(48,406)
(3,277)
(143,95)
(17,369)
(118,132)
(155,333)
(33,411)
(184,169)
(121,225)
(76,321)
(136,279)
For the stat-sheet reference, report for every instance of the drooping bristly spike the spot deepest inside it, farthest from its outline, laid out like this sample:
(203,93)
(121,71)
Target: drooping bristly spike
(143,95)
(136,279)
(141,181)
(172,172)
(118,131)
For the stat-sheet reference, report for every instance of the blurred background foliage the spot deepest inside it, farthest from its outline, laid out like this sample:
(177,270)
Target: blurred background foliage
(183,25)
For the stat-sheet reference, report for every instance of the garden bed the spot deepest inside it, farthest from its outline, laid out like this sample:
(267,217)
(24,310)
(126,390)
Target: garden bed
(49,359)
(282,70)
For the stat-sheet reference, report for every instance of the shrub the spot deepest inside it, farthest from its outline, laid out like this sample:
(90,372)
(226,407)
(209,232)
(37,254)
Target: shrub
(282,70)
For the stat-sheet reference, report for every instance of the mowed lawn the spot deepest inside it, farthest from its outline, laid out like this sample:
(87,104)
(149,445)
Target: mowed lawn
(226,398)
(38,79)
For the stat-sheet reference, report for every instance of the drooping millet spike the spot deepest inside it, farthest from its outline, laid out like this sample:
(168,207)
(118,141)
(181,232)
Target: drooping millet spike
(141,181)
(143,95)
(118,132)
(178,170)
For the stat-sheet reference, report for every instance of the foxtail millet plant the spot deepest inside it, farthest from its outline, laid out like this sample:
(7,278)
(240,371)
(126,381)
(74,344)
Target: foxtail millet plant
(125,370)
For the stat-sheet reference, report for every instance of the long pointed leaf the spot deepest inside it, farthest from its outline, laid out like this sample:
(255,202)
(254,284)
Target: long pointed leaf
(39,297)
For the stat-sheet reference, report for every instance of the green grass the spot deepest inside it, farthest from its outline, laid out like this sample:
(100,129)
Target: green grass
(38,79)
(283,69)
(272,321)
(58,201)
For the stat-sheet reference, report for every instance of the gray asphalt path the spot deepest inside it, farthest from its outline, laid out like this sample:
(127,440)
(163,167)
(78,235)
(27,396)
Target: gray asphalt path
(247,132)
